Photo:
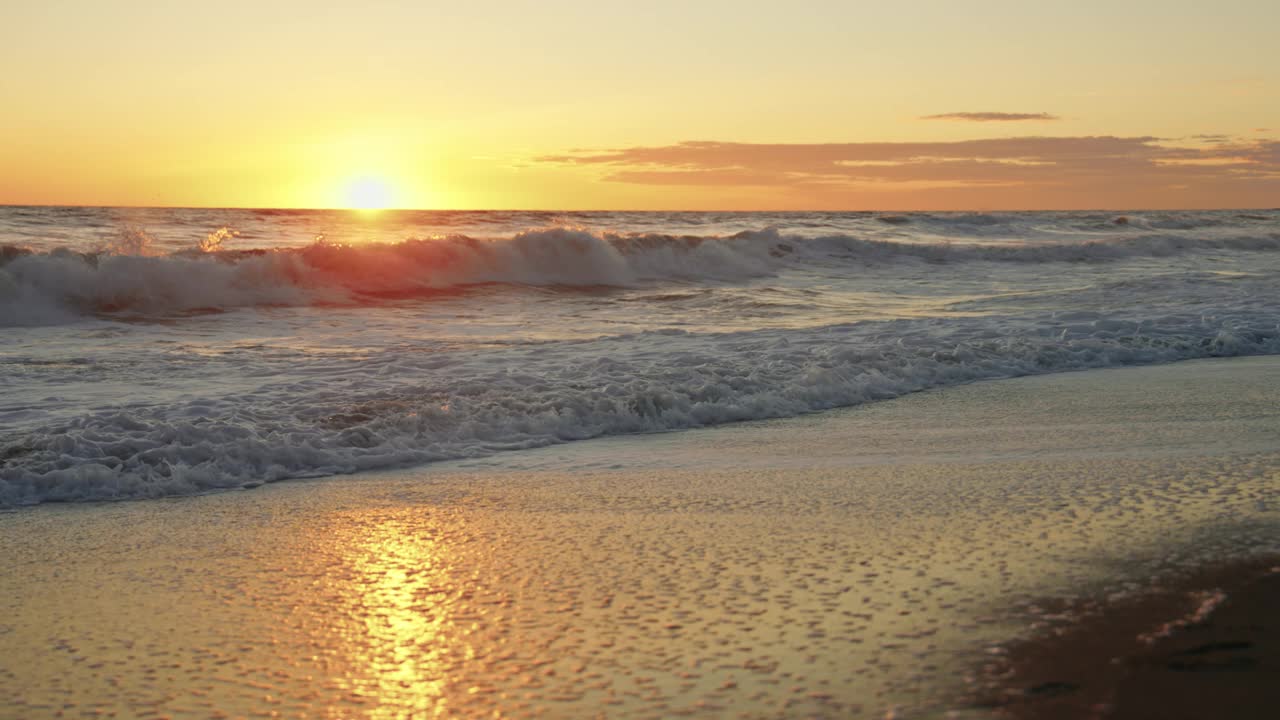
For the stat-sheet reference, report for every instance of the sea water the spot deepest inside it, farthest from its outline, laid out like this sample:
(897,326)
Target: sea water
(156,352)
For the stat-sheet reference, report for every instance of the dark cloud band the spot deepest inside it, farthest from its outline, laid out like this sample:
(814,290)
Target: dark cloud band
(991,116)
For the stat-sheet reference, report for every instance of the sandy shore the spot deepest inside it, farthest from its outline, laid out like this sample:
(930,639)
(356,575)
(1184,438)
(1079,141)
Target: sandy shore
(846,564)
(1203,644)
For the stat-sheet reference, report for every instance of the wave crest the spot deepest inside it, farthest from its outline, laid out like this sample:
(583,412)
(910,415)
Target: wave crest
(38,288)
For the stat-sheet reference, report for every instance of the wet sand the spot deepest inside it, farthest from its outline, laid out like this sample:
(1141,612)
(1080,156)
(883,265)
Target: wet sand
(847,564)
(1204,644)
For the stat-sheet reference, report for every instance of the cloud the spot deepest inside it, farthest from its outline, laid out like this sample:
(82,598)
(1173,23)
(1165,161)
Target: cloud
(991,116)
(798,156)
(1088,171)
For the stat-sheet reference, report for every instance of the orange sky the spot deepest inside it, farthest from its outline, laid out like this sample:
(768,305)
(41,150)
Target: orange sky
(568,104)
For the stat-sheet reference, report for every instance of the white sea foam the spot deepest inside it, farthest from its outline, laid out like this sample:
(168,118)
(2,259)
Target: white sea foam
(133,366)
(406,408)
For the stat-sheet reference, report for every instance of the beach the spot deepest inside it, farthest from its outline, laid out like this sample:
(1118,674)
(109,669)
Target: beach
(852,563)
(1215,657)
(566,360)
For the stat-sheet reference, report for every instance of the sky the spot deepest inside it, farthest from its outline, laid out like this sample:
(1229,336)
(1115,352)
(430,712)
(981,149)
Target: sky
(598,104)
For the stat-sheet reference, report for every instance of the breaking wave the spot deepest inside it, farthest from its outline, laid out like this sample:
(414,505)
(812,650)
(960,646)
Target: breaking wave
(39,288)
(394,355)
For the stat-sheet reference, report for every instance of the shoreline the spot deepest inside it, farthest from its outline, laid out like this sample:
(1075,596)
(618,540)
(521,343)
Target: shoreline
(849,563)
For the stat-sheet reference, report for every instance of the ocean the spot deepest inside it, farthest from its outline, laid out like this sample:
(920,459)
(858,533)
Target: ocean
(161,352)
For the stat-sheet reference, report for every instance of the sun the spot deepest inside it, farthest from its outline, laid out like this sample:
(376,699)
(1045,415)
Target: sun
(368,192)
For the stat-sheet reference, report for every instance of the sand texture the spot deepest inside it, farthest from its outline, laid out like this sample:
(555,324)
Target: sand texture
(847,564)
(1197,646)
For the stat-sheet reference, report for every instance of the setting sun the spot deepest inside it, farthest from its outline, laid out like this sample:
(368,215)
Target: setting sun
(367,193)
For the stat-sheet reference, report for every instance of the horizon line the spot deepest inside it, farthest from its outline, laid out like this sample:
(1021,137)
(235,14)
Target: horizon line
(376,211)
